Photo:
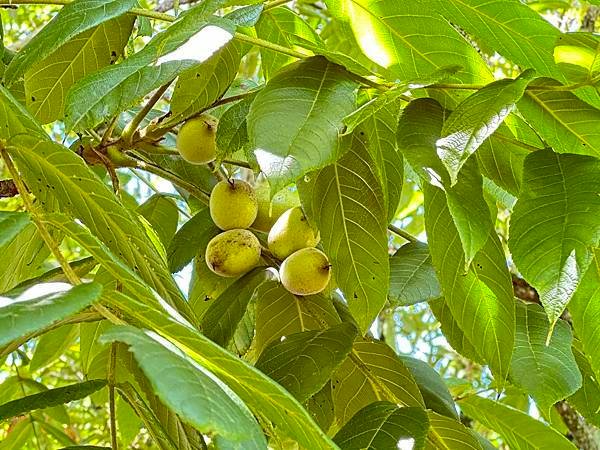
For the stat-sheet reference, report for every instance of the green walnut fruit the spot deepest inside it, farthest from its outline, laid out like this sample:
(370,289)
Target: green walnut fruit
(233,253)
(196,139)
(269,210)
(305,272)
(233,204)
(291,232)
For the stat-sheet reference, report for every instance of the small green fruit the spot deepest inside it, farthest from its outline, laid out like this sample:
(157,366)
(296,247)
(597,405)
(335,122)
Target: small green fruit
(305,272)
(291,232)
(233,204)
(233,253)
(270,210)
(196,139)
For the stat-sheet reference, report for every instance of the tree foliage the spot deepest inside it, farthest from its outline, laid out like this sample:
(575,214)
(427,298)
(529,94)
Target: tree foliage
(447,152)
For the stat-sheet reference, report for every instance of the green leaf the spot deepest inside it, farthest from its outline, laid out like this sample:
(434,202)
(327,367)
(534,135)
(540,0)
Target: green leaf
(53,344)
(555,224)
(481,300)
(567,123)
(518,429)
(380,137)
(74,18)
(501,160)
(21,257)
(320,406)
(452,331)
(578,56)
(303,362)
(246,16)
(433,389)
(448,433)
(51,397)
(47,81)
(283,27)
(18,437)
(189,239)
(382,426)
(372,372)
(201,85)
(412,276)
(305,104)
(191,391)
(410,40)
(16,118)
(200,176)
(224,314)
(162,213)
(232,132)
(394,95)
(587,399)
(476,118)
(265,397)
(279,313)
(21,317)
(11,225)
(585,312)
(418,131)
(507,26)
(116,88)
(353,227)
(548,373)
(132,283)
(52,171)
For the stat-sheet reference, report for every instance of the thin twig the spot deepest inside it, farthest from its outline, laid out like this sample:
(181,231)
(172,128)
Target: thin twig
(170,176)
(109,131)
(141,115)
(155,190)
(403,234)
(111,396)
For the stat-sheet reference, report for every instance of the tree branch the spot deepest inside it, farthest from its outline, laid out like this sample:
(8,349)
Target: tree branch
(583,434)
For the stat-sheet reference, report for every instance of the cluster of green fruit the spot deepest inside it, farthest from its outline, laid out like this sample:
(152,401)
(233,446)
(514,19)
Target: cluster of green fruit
(235,206)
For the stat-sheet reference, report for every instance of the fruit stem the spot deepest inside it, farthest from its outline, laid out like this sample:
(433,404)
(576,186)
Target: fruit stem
(129,130)
(266,253)
(403,234)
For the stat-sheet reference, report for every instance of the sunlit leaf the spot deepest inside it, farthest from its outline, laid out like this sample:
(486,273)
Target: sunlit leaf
(74,18)
(263,396)
(475,119)
(193,392)
(305,104)
(21,317)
